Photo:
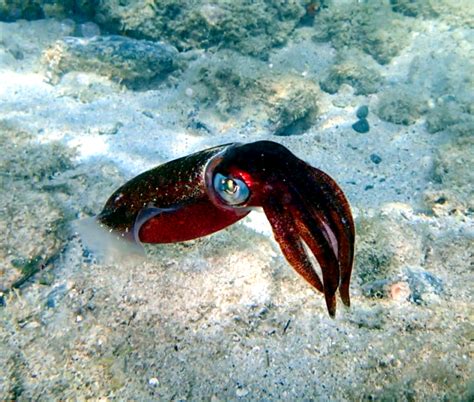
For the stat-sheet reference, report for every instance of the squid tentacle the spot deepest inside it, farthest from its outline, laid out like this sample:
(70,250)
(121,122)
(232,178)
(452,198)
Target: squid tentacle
(337,211)
(316,212)
(311,232)
(286,234)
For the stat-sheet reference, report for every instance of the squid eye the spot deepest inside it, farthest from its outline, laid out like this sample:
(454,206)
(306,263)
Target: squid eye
(231,190)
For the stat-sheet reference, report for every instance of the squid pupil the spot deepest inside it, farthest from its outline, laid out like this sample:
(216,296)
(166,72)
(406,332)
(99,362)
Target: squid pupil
(230,186)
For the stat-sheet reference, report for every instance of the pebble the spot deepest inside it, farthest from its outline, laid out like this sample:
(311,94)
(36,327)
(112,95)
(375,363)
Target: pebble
(111,129)
(361,126)
(153,382)
(400,291)
(3,302)
(240,392)
(362,112)
(375,158)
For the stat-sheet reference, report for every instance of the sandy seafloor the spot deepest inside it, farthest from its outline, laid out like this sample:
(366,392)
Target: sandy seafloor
(225,317)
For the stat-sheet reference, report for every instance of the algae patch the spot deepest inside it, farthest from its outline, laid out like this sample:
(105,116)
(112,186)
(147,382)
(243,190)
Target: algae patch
(355,70)
(371,27)
(453,175)
(294,106)
(401,105)
(247,27)
(31,220)
(454,12)
(438,87)
(239,86)
(36,211)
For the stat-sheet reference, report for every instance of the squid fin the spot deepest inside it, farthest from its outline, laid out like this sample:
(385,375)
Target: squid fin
(144,215)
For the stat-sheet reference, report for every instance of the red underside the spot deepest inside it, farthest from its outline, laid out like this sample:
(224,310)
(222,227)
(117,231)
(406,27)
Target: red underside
(187,223)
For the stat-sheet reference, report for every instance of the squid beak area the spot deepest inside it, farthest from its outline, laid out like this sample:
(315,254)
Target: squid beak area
(313,212)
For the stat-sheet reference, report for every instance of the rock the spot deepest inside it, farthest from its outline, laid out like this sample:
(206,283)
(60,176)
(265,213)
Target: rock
(423,285)
(447,78)
(362,112)
(112,129)
(413,284)
(28,10)
(241,392)
(361,126)
(295,107)
(229,82)
(153,382)
(364,78)
(439,85)
(136,63)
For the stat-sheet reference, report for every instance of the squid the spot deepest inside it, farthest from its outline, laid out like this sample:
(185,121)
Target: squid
(207,191)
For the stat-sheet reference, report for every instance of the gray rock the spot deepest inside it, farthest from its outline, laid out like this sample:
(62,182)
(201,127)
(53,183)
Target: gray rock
(361,126)
(362,112)
(136,63)
(423,284)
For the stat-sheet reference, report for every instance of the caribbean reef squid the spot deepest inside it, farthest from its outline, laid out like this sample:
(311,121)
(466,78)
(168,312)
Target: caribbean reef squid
(206,191)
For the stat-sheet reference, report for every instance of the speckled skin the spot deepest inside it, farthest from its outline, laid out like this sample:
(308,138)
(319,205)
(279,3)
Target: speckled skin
(179,189)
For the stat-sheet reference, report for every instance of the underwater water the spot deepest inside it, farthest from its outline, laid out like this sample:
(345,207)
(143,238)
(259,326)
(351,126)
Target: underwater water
(377,94)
